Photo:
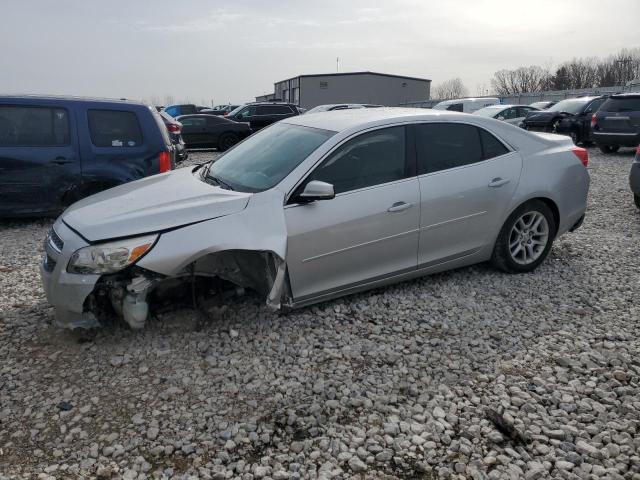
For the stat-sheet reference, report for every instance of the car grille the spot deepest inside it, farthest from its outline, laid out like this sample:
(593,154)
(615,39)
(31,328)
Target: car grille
(55,241)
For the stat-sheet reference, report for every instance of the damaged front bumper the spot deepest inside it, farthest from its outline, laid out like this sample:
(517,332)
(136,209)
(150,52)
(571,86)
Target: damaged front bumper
(66,292)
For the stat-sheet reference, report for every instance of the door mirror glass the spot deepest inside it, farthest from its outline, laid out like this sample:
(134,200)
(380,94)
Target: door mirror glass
(316,190)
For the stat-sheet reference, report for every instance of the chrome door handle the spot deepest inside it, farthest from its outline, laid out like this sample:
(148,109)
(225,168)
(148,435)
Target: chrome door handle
(398,207)
(498,182)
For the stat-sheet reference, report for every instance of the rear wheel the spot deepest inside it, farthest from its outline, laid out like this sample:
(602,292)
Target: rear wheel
(525,238)
(609,148)
(227,140)
(636,199)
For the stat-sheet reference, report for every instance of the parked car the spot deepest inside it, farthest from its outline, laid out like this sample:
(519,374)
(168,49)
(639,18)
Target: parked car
(543,105)
(57,150)
(212,131)
(319,206)
(617,122)
(634,177)
(220,110)
(570,117)
(174,127)
(513,114)
(185,109)
(341,106)
(262,114)
(466,105)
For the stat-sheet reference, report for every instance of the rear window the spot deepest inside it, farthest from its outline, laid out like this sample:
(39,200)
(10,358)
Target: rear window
(113,128)
(621,104)
(33,126)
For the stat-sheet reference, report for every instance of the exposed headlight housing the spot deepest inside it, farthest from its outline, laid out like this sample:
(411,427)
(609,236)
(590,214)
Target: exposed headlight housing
(110,257)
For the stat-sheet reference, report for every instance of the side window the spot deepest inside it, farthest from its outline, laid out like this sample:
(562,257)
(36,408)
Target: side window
(509,113)
(214,120)
(113,128)
(370,159)
(441,146)
(281,110)
(456,107)
(522,111)
(33,126)
(193,122)
(491,146)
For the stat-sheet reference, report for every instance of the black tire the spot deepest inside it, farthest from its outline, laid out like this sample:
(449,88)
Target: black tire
(574,136)
(502,257)
(609,148)
(636,199)
(226,141)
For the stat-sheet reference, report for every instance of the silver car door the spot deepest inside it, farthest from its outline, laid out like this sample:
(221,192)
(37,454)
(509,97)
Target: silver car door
(467,178)
(369,230)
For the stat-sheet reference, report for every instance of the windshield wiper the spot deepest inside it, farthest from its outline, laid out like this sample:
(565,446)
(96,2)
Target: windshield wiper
(219,182)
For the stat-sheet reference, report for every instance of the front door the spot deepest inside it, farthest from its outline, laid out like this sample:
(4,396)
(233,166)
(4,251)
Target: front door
(39,163)
(368,231)
(467,179)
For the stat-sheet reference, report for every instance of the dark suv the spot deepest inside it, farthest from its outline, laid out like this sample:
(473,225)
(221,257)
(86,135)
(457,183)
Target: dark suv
(57,150)
(617,123)
(262,114)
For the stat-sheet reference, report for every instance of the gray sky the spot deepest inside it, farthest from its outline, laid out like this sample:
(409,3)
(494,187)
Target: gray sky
(234,50)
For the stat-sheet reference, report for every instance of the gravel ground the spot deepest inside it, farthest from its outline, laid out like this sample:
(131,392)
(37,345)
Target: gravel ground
(467,374)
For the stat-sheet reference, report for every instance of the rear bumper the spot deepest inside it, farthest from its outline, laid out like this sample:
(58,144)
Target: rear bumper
(610,138)
(634,178)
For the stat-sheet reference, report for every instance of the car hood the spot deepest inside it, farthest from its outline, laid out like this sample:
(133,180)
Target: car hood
(152,204)
(544,116)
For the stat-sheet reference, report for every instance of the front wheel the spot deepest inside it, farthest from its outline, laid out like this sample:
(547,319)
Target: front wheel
(525,238)
(609,148)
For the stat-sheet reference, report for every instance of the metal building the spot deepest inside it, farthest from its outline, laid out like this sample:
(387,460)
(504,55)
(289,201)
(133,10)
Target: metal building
(308,91)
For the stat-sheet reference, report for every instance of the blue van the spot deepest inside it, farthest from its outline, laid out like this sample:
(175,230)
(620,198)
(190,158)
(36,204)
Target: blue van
(57,150)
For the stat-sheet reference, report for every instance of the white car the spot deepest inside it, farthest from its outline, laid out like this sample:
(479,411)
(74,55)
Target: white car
(513,114)
(466,105)
(319,206)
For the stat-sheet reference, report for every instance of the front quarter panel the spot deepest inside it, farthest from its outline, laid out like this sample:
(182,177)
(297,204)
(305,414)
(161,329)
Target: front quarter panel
(259,227)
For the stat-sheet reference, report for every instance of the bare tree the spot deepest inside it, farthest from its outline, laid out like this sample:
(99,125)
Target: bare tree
(523,79)
(452,88)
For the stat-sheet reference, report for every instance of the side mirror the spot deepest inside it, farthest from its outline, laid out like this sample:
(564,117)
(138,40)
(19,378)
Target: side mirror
(316,190)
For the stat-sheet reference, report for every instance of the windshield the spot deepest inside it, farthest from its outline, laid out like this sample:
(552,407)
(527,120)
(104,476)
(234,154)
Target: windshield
(235,110)
(488,111)
(265,158)
(573,105)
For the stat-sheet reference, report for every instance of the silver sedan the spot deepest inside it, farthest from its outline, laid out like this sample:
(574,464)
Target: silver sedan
(319,206)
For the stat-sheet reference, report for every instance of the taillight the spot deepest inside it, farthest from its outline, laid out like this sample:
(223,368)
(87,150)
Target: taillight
(582,154)
(165,161)
(638,153)
(173,128)
(594,120)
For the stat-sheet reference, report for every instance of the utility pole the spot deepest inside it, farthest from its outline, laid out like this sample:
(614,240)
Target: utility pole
(337,64)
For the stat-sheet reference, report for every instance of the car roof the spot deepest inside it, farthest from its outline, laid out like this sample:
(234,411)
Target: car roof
(341,120)
(626,95)
(68,98)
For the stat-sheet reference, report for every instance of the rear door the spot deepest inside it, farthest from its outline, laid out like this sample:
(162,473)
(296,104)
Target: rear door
(620,115)
(120,143)
(467,178)
(39,163)
(194,131)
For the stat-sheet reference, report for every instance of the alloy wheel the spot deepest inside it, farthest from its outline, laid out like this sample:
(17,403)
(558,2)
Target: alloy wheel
(528,238)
